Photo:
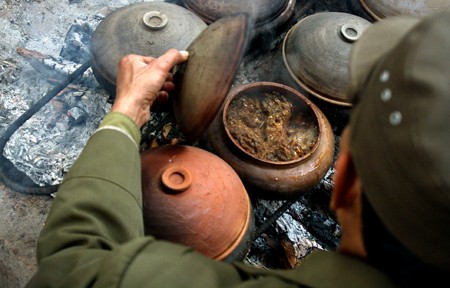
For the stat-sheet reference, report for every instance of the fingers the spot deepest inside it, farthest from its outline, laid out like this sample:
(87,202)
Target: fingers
(171,58)
(141,80)
(162,97)
(147,60)
(168,84)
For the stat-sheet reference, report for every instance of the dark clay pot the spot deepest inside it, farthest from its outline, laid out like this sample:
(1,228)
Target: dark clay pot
(269,179)
(267,17)
(380,9)
(192,197)
(316,53)
(148,29)
(261,12)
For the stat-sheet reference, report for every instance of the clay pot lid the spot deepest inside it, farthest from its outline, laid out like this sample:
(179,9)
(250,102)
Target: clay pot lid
(203,81)
(148,29)
(316,53)
(193,197)
(261,12)
(380,9)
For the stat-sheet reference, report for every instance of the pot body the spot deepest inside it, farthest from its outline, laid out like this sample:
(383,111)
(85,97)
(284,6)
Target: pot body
(268,179)
(380,9)
(192,197)
(316,53)
(148,29)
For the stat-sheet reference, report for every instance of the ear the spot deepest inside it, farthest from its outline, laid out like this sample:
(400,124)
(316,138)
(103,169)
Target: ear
(346,182)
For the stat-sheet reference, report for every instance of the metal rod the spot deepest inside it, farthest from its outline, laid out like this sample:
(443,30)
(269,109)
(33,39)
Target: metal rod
(280,211)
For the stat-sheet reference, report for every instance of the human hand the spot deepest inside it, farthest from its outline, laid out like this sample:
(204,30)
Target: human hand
(141,80)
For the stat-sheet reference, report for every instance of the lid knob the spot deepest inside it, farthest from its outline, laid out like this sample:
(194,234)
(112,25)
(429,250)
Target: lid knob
(350,32)
(155,20)
(176,179)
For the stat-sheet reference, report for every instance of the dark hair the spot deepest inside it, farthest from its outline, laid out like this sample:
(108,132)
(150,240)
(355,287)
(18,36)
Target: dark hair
(386,253)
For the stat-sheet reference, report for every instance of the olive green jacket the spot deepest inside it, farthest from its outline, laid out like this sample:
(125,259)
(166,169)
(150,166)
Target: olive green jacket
(94,234)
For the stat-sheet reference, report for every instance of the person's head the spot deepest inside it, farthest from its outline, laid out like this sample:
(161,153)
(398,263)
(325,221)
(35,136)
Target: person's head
(395,155)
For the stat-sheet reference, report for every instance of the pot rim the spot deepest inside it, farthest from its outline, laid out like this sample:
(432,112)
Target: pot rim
(292,92)
(237,241)
(369,11)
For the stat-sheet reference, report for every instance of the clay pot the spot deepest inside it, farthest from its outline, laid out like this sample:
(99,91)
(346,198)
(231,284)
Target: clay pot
(316,53)
(380,9)
(192,197)
(267,178)
(260,12)
(267,17)
(148,29)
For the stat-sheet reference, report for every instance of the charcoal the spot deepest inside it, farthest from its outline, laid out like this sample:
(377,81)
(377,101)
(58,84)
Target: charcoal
(77,42)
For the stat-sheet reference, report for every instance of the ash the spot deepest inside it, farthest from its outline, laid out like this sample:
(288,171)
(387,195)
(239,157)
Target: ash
(46,146)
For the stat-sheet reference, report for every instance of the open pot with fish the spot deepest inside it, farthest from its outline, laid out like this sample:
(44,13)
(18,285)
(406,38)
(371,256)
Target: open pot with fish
(277,140)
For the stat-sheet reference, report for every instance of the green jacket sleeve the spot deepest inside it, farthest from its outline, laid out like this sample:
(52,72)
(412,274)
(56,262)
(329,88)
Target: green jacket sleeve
(94,233)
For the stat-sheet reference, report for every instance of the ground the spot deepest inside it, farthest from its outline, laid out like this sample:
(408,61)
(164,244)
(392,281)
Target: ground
(49,142)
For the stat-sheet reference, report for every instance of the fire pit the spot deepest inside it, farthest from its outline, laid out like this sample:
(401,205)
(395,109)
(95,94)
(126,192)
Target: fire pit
(49,142)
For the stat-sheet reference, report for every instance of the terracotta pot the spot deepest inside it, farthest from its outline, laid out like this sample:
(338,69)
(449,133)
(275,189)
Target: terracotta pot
(380,9)
(316,53)
(145,29)
(267,178)
(192,197)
